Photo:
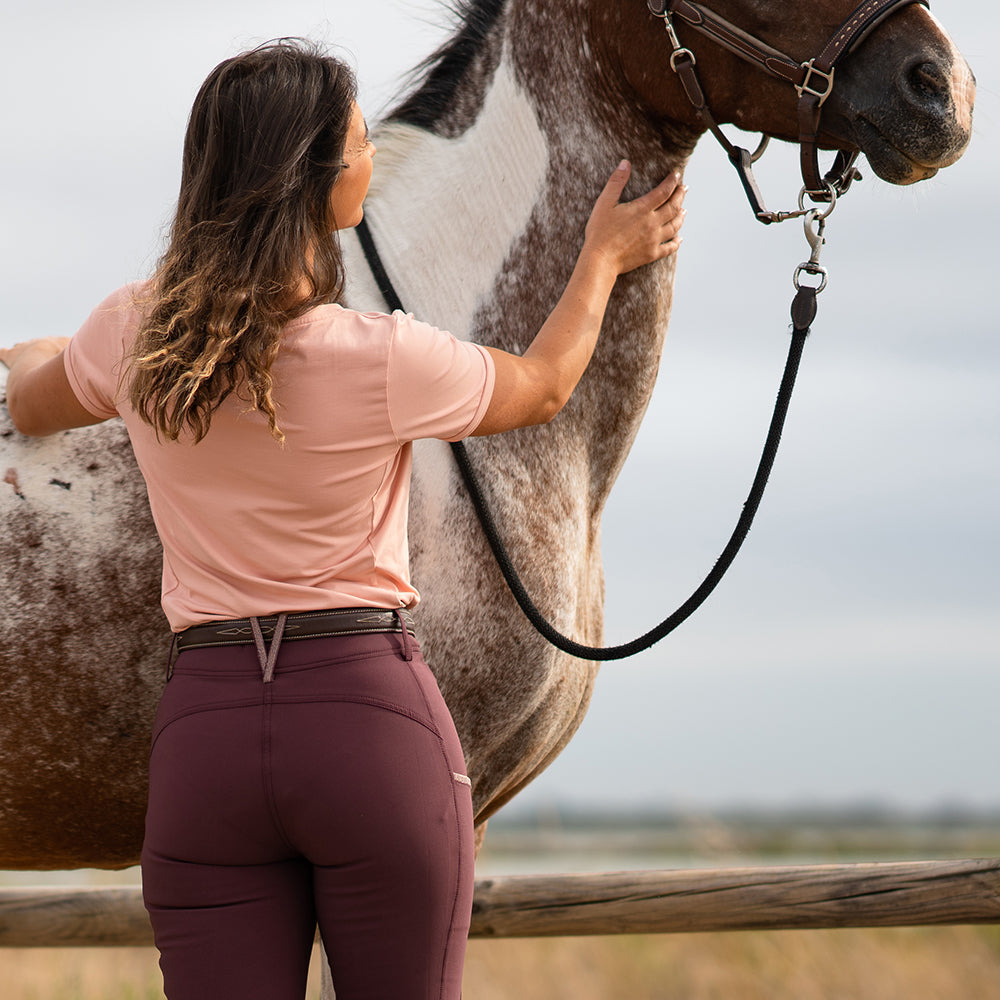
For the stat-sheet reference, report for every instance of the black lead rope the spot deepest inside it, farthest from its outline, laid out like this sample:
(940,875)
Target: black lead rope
(803,313)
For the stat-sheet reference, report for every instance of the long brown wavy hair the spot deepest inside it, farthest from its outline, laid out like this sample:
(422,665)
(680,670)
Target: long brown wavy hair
(253,244)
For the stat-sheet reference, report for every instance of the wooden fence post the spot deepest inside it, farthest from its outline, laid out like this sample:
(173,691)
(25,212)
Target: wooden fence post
(902,894)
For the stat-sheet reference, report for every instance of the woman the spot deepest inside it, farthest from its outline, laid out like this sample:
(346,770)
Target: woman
(320,779)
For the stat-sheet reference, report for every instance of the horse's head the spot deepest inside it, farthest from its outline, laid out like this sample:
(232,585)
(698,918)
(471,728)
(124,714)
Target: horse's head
(903,96)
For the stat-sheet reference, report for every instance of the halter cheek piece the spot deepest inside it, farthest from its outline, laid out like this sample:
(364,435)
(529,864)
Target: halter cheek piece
(813,80)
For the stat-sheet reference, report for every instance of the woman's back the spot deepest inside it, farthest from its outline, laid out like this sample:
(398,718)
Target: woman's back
(318,521)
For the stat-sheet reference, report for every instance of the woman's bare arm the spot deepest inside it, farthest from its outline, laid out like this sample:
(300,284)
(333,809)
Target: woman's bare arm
(40,399)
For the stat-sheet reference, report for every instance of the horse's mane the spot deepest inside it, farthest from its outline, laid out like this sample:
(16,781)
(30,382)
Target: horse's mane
(433,82)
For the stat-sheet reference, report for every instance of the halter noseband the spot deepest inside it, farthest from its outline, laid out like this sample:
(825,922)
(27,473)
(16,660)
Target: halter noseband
(813,80)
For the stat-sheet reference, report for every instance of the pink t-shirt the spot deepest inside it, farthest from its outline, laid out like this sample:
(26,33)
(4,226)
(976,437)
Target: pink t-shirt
(251,527)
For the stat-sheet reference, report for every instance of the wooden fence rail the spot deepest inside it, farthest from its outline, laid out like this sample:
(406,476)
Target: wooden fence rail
(649,902)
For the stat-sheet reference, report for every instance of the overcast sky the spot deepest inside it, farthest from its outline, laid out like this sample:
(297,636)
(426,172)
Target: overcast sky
(852,653)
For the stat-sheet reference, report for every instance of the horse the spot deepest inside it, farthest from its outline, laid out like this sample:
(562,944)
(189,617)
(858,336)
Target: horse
(486,172)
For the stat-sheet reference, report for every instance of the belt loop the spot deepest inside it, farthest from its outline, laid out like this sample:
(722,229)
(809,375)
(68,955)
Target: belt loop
(407,648)
(268,657)
(171,659)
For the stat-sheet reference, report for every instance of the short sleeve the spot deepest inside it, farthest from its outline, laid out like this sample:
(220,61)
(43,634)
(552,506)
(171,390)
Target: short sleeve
(94,354)
(437,385)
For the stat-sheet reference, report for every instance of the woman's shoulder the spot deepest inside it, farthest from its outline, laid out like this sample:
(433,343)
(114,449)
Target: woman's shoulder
(341,315)
(133,295)
(117,315)
(396,338)
(333,334)
(348,325)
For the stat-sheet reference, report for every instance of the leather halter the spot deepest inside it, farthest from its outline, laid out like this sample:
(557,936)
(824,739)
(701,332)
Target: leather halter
(813,80)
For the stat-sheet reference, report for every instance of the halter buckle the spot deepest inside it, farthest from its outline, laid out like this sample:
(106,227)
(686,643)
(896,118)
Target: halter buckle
(806,87)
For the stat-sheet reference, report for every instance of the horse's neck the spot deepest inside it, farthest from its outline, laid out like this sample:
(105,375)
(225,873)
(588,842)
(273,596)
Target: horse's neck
(479,232)
(446,211)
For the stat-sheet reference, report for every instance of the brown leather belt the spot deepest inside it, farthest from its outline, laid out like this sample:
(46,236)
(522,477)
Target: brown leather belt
(299,625)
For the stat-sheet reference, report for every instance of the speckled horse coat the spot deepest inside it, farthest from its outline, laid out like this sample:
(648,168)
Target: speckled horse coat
(484,180)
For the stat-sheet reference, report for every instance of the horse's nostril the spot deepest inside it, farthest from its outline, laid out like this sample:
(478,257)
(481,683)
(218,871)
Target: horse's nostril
(927,81)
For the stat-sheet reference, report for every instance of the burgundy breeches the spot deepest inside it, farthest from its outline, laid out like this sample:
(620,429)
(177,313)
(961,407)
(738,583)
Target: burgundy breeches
(335,794)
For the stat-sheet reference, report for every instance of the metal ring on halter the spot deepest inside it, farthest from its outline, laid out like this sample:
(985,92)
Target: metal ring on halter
(830,189)
(810,268)
(677,53)
(761,146)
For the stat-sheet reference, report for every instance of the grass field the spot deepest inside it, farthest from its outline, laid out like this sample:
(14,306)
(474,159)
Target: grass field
(955,963)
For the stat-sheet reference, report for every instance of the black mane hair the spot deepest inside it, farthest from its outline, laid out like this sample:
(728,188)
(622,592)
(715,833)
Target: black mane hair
(437,77)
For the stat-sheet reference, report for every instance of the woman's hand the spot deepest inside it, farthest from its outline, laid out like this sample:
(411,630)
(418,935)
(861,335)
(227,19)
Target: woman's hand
(632,233)
(44,348)
(40,399)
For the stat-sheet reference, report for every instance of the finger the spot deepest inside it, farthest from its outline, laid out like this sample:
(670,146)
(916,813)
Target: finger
(671,224)
(674,203)
(672,212)
(678,195)
(672,207)
(670,247)
(670,218)
(613,189)
(661,194)
(670,230)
